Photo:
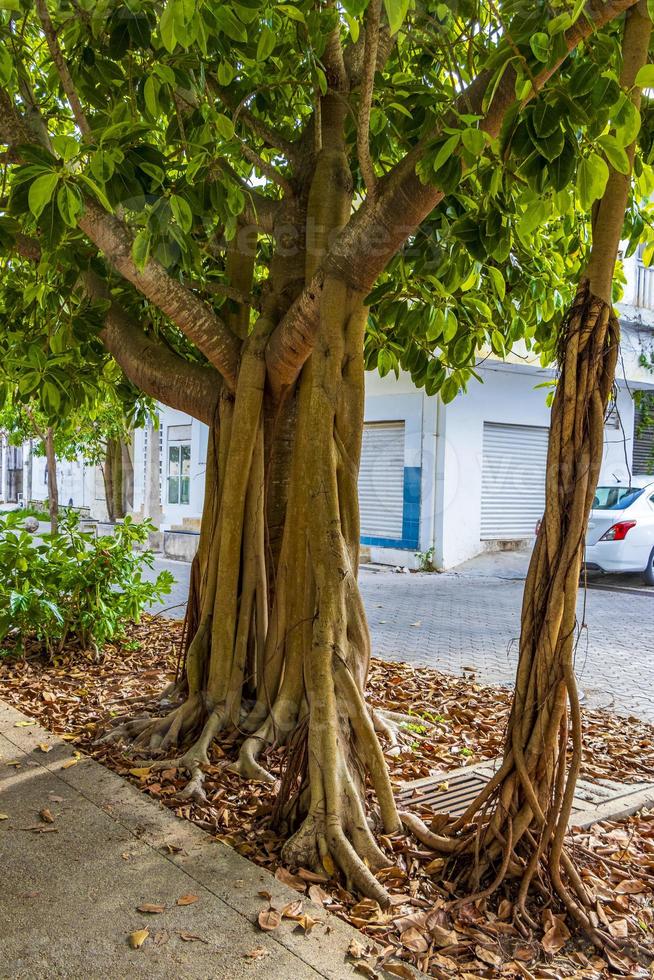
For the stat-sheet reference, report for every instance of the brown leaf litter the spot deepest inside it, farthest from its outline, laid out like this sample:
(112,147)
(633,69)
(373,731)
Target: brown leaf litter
(457,722)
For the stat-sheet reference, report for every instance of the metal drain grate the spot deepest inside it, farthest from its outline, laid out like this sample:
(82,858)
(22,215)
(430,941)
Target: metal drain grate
(453,792)
(448,793)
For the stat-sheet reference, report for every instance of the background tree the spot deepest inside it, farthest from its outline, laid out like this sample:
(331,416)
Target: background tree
(58,386)
(226,189)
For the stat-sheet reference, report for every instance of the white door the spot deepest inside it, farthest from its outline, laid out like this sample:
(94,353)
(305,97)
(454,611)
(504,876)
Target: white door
(381,480)
(512,480)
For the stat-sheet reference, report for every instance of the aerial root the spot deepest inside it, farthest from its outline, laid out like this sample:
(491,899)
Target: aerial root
(399,729)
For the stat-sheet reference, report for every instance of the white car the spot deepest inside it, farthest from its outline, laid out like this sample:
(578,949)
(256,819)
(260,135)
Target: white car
(620,534)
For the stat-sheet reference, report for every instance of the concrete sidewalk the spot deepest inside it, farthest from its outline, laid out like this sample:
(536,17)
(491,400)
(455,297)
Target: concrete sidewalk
(71,888)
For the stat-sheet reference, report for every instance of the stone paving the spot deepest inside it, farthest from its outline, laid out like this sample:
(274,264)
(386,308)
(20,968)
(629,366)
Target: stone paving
(470,620)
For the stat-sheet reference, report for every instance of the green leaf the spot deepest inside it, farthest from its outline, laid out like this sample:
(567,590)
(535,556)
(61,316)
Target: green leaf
(97,191)
(50,396)
(558,24)
(70,204)
(614,153)
(449,390)
(445,151)
(474,141)
(291,12)
(41,192)
(141,248)
(266,44)
(498,281)
(224,126)
(65,147)
(225,73)
(497,342)
(450,327)
(540,45)
(151,96)
(396,11)
(167,27)
(645,77)
(592,175)
(182,212)
(626,120)
(6,65)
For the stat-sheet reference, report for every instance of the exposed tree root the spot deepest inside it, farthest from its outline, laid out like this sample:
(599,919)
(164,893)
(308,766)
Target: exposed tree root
(516,827)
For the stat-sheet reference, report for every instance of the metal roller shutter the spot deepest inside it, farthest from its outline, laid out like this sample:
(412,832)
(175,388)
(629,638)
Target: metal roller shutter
(512,480)
(381,480)
(643,457)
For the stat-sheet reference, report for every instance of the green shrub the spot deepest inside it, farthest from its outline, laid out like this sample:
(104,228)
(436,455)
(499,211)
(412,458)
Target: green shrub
(73,587)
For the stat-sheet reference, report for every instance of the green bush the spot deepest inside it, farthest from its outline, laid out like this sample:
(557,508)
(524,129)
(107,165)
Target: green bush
(73,587)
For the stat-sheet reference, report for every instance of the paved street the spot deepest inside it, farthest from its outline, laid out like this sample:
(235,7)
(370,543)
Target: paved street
(470,619)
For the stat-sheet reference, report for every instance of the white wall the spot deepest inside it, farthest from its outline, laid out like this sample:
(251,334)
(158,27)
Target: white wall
(75,480)
(509,396)
(174,514)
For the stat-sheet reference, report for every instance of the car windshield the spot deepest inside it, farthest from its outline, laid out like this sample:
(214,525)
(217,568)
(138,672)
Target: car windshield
(615,498)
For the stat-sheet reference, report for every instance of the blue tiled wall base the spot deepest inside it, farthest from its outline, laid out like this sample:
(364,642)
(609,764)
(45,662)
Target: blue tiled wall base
(410,515)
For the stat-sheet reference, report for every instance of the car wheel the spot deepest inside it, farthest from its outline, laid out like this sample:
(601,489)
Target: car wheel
(648,574)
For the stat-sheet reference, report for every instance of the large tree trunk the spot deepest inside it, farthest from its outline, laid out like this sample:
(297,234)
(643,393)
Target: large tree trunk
(113,477)
(521,817)
(53,489)
(277,638)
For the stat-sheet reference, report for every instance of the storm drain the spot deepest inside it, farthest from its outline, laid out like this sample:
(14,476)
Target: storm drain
(453,792)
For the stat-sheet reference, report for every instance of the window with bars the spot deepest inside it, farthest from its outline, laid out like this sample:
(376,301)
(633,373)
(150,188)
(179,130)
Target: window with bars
(179,472)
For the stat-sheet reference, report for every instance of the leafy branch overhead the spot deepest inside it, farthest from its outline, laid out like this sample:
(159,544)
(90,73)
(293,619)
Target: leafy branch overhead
(145,140)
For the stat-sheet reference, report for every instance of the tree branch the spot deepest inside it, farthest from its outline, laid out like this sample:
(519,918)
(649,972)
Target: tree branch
(381,225)
(195,318)
(62,68)
(153,367)
(609,217)
(266,168)
(372,21)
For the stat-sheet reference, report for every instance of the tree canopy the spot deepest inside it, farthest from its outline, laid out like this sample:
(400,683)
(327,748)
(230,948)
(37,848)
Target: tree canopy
(149,141)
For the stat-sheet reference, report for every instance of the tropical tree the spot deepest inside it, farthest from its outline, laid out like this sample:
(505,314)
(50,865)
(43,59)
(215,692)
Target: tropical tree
(59,388)
(228,190)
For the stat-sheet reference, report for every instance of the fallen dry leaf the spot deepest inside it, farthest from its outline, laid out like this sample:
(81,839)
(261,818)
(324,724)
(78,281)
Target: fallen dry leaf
(69,762)
(4,816)
(141,771)
(190,937)
(293,881)
(356,949)
(631,886)
(293,910)
(44,746)
(400,970)
(307,923)
(269,919)
(187,899)
(151,909)
(46,815)
(489,956)
(556,937)
(136,939)
(414,940)
(365,968)
(23,724)
(318,895)
(256,954)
